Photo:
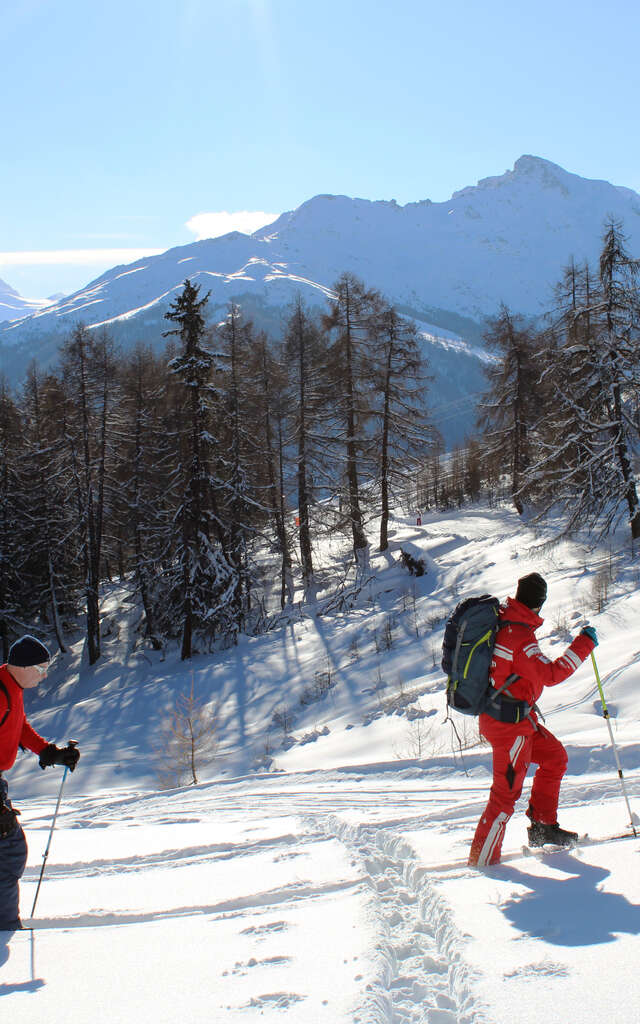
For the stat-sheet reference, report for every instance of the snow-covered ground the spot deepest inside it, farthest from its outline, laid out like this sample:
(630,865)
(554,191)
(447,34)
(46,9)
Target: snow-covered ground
(318,871)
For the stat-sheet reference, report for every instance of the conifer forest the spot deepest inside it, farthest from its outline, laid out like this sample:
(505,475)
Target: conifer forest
(174,469)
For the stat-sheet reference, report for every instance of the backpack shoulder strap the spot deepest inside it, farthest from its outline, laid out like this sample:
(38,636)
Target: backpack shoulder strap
(511,622)
(8,699)
(513,677)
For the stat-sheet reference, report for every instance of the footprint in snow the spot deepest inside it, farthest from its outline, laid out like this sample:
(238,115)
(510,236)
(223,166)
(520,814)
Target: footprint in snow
(279,1000)
(272,961)
(264,929)
(545,968)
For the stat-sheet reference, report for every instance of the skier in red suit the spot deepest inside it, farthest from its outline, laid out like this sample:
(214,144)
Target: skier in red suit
(520,666)
(27,665)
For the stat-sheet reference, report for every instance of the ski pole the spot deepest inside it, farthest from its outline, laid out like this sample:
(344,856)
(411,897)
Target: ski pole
(46,852)
(605,715)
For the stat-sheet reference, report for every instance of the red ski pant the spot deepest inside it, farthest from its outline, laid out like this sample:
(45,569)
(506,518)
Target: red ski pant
(515,747)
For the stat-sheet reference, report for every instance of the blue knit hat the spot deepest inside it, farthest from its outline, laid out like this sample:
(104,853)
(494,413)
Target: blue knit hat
(27,651)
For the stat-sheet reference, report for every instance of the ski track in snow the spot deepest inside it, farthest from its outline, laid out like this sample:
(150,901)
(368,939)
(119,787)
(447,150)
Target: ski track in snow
(418,974)
(422,977)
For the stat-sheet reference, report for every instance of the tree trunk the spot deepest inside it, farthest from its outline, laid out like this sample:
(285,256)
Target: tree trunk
(187,628)
(355,513)
(518,428)
(304,529)
(384,461)
(92,585)
(277,485)
(57,625)
(622,452)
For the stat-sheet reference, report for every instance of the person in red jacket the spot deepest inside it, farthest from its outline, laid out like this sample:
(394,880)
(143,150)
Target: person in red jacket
(519,673)
(27,664)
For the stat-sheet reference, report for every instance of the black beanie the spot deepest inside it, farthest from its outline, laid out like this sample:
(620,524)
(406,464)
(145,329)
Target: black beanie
(27,651)
(532,590)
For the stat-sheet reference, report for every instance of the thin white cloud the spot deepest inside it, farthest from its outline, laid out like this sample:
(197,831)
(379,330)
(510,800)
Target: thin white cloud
(80,257)
(211,225)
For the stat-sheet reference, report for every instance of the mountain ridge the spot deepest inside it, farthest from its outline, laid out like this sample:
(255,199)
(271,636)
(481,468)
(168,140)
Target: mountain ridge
(13,305)
(447,264)
(312,244)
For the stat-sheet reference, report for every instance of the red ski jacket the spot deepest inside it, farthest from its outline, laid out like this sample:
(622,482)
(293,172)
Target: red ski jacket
(15,730)
(516,651)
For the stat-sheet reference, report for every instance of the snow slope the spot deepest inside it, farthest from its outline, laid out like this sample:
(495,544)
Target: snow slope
(318,872)
(14,307)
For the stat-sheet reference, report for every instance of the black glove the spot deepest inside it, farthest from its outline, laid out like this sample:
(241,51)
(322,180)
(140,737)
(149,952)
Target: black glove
(8,820)
(67,756)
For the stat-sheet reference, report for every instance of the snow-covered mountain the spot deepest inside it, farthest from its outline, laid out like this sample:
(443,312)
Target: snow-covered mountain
(14,306)
(448,264)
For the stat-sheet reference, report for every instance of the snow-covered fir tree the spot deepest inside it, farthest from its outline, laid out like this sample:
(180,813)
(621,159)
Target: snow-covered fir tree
(588,430)
(205,584)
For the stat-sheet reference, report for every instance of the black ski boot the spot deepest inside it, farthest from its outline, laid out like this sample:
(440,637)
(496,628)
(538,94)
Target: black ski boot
(540,834)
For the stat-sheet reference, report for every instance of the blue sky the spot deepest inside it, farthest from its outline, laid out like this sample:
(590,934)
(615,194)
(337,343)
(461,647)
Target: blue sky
(125,123)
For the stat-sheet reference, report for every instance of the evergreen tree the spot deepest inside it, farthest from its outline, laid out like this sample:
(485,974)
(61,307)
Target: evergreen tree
(569,424)
(206,580)
(589,429)
(620,331)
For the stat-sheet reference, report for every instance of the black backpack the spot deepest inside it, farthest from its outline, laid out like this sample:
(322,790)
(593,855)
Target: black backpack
(467,653)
